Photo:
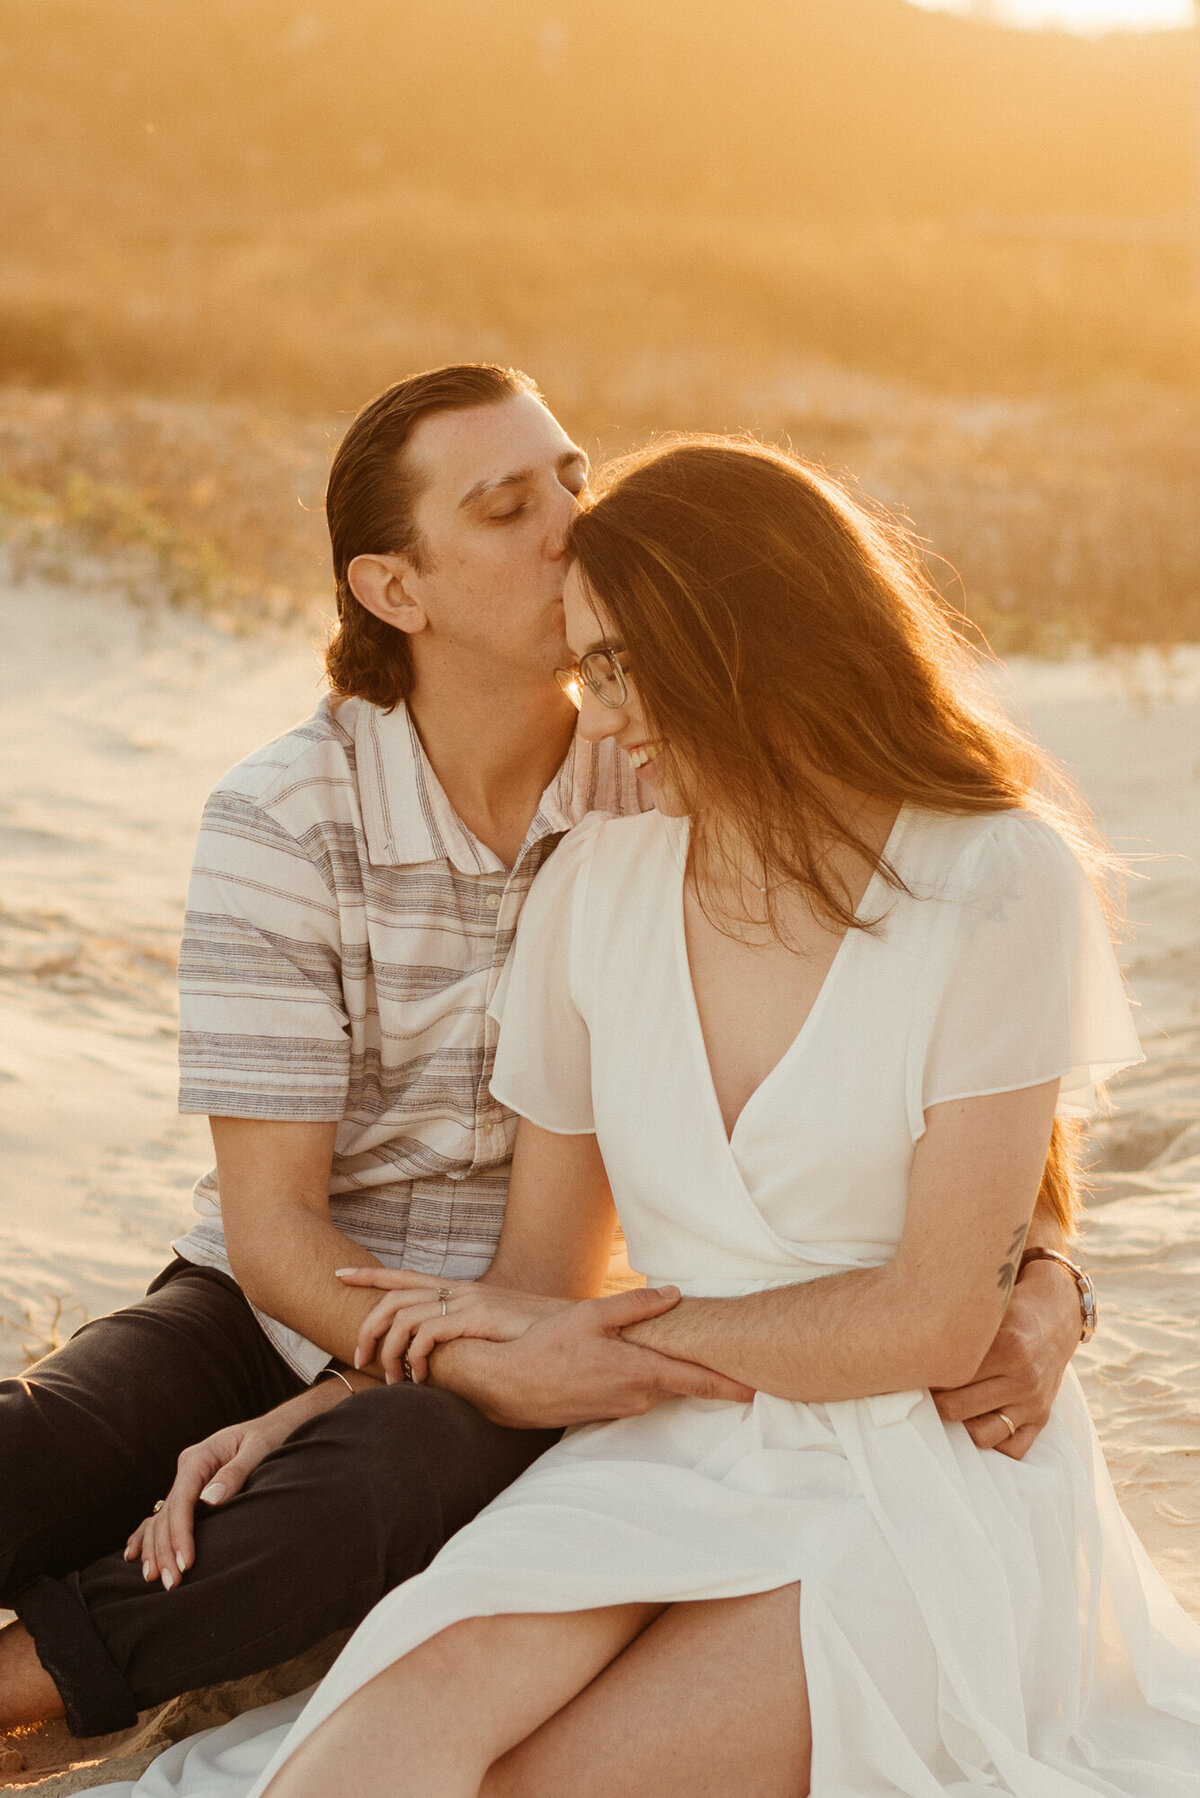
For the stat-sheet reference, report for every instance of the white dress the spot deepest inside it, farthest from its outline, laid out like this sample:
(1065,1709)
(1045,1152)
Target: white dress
(970,1624)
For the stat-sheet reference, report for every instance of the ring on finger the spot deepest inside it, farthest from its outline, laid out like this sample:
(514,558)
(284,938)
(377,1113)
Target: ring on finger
(158,1505)
(1007,1421)
(443,1294)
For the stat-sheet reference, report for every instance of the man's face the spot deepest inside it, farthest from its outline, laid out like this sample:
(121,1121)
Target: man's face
(499,488)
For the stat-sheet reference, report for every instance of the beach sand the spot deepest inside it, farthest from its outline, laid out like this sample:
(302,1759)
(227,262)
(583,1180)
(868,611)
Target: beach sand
(120,719)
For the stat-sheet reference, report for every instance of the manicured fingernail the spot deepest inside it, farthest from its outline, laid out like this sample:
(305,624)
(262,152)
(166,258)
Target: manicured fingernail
(213,1493)
(180,1562)
(358,1360)
(168,1578)
(668,1292)
(341,1272)
(145,1570)
(129,1553)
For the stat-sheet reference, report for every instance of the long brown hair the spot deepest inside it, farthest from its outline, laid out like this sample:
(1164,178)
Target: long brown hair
(791,652)
(369,508)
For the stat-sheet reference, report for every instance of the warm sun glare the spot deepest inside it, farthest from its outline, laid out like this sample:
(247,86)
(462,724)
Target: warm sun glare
(1074,15)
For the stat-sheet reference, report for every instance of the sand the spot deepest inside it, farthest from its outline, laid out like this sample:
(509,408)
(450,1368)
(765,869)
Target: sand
(120,719)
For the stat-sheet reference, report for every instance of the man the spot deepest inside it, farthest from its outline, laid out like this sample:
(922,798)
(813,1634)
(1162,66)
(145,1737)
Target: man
(355,894)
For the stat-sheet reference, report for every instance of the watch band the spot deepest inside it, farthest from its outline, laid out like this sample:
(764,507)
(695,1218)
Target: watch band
(1089,1311)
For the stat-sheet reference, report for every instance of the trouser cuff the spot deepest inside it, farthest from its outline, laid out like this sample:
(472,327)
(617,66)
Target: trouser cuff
(95,1694)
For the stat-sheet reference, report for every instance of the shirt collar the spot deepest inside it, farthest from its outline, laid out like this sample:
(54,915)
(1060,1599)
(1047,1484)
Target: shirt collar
(407,818)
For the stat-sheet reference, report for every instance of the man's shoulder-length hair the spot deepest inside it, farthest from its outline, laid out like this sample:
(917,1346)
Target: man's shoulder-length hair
(370,510)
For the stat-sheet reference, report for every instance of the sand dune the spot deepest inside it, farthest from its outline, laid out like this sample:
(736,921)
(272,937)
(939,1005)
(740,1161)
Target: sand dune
(1129,731)
(119,721)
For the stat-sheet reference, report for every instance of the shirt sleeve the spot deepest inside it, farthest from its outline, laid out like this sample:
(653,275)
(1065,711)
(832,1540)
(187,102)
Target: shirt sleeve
(543,1062)
(1032,990)
(263,1029)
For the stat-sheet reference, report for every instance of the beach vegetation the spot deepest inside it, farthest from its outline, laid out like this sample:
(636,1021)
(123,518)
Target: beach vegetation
(970,287)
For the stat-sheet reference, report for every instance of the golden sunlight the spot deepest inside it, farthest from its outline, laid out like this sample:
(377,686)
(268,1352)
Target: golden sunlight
(944,255)
(1073,15)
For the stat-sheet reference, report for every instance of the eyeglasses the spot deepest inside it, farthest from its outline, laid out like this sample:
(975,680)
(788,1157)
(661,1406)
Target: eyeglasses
(601,673)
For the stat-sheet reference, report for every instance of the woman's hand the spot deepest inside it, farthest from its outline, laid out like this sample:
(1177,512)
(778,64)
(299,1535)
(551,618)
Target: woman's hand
(1022,1371)
(212,1471)
(419,1310)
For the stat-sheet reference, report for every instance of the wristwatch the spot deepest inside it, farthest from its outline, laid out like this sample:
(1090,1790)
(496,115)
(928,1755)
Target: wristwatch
(1088,1309)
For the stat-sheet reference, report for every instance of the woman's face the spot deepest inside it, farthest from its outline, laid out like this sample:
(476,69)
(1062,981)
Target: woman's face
(590,632)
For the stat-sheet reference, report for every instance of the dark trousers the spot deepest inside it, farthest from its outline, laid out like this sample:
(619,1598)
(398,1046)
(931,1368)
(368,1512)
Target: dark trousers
(353,1502)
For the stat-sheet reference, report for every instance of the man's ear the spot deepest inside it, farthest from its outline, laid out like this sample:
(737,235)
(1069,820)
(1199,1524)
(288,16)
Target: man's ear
(379,583)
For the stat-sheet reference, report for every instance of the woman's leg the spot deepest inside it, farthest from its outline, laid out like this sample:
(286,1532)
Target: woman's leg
(434,1722)
(708,1702)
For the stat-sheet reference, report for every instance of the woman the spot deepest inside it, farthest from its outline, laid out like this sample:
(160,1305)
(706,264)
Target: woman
(823,1018)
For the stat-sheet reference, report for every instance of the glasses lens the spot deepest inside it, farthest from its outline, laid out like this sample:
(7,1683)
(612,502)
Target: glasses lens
(570,683)
(604,677)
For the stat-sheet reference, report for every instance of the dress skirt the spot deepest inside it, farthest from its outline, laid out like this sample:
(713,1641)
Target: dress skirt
(970,1624)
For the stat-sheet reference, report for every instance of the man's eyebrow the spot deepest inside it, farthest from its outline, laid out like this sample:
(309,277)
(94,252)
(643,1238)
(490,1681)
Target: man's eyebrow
(520,476)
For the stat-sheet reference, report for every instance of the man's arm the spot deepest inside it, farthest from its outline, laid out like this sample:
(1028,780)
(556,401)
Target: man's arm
(576,1367)
(284,1251)
(925,1318)
(283,1246)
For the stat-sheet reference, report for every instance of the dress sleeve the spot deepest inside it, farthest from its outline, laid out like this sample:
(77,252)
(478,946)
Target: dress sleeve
(1032,991)
(543,1062)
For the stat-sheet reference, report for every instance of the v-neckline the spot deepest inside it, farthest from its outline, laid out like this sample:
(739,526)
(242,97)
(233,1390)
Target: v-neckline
(819,1002)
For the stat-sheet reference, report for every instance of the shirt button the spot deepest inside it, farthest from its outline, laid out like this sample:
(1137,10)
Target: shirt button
(493,902)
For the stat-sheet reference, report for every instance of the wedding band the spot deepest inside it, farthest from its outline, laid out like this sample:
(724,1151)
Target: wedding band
(158,1506)
(443,1293)
(406,1364)
(1006,1419)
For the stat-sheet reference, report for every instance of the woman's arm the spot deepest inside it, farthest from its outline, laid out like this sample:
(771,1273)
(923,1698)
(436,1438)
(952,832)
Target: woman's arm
(528,1345)
(554,1247)
(559,1219)
(925,1318)
(1021,1373)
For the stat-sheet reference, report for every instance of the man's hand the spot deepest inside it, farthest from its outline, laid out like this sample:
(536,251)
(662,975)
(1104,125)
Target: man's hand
(1023,1370)
(212,1471)
(575,1367)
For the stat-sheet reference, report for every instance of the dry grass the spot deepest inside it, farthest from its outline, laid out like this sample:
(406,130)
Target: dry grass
(227,227)
(44,1327)
(1049,521)
(316,309)
(191,503)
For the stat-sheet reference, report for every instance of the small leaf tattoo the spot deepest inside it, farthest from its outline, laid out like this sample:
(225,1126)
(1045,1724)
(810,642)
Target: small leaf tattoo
(1007,1276)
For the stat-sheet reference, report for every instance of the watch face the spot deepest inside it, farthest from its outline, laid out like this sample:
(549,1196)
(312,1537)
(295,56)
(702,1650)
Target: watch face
(1087,1305)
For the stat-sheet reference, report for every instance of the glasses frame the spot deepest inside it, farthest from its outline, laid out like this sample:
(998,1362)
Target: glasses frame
(585,671)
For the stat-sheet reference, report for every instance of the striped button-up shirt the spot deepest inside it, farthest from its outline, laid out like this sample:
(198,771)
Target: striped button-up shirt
(345,934)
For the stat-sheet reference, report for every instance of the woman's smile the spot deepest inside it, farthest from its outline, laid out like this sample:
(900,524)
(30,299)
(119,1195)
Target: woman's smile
(643,755)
